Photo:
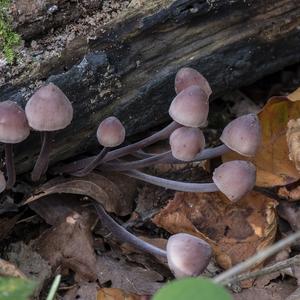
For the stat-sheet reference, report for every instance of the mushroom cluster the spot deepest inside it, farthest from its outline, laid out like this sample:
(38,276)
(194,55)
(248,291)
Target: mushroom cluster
(49,110)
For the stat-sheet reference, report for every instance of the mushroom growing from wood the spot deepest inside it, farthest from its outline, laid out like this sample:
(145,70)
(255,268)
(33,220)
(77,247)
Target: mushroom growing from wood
(13,129)
(47,110)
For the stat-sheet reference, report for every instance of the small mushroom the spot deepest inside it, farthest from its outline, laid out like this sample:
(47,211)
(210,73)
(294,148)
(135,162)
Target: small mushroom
(243,135)
(186,77)
(110,133)
(235,178)
(186,143)
(13,129)
(47,110)
(190,107)
(187,255)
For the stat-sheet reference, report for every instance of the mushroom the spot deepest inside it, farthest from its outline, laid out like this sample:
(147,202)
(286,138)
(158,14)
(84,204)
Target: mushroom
(13,129)
(188,256)
(190,107)
(243,135)
(235,178)
(186,143)
(186,77)
(110,133)
(47,110)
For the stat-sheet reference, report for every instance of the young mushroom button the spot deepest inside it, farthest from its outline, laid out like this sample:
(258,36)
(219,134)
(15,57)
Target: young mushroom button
(47,110)
(243,135)
(186,143)
(13,129)
(186,77)
(110,133)
(235,178)
(187,255)
(190,107)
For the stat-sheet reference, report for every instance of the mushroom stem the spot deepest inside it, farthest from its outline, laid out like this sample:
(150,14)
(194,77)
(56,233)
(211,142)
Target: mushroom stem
(172,184)
(92,164)
(125,236)
(42,161)
(158,136)
(137,164)
(10,168)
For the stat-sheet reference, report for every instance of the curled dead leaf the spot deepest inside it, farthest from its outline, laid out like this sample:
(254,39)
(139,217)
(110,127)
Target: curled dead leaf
(235,231)
(94,185)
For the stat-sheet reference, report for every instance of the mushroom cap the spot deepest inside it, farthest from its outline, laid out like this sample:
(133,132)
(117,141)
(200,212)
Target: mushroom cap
(49,109)
(235,178)
(190,107)
(243,135)
(186,77)
(186,143)
(14,127)
(2,182)
(111,132)
(187,255)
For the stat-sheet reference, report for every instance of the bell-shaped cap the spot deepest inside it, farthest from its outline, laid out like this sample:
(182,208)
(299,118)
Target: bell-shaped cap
(187,255)
(14,127)
(243,135)
(111,132)
(2,182)
(235,178)
(49,109)
(186,143)
(186,77)
(190,107)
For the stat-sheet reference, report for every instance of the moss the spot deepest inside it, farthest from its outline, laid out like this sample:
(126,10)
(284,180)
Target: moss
(8,38)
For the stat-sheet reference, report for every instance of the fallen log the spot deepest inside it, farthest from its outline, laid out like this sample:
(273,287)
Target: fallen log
(127,66)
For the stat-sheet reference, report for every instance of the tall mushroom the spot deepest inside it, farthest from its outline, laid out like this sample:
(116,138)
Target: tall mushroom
(13,129)
(47,110)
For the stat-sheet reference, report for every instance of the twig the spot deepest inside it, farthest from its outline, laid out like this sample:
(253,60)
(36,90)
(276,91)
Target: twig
(257,258)
(54,287)
(294,261)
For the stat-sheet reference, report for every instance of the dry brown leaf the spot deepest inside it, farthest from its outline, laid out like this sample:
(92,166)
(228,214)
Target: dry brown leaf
(94,185)
(6,225)
(290,193)
(290,211)
(82,291)
(130,278)
(117,294)
(70,244)
(274,291)
(235,231)
(272,160)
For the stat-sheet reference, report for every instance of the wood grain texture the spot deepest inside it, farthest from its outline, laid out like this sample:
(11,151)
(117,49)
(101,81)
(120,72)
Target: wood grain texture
(128,68)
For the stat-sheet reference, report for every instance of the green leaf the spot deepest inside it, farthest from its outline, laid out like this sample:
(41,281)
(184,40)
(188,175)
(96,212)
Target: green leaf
(15,288)
(192,289)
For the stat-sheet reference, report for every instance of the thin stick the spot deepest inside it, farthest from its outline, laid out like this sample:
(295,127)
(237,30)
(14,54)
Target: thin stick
(257,258)
(54,287)
(294,261)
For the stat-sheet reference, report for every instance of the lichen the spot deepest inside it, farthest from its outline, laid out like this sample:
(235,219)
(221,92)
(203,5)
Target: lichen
(8,38)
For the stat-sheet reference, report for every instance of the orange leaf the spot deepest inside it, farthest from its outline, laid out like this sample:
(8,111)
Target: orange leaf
(272,160)
(116,294)
(234,230)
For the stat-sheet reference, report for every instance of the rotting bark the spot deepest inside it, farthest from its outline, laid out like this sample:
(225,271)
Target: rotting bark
(128,66)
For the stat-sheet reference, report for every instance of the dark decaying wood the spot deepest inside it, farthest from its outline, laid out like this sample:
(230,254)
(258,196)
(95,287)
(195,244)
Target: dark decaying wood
(128,67)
